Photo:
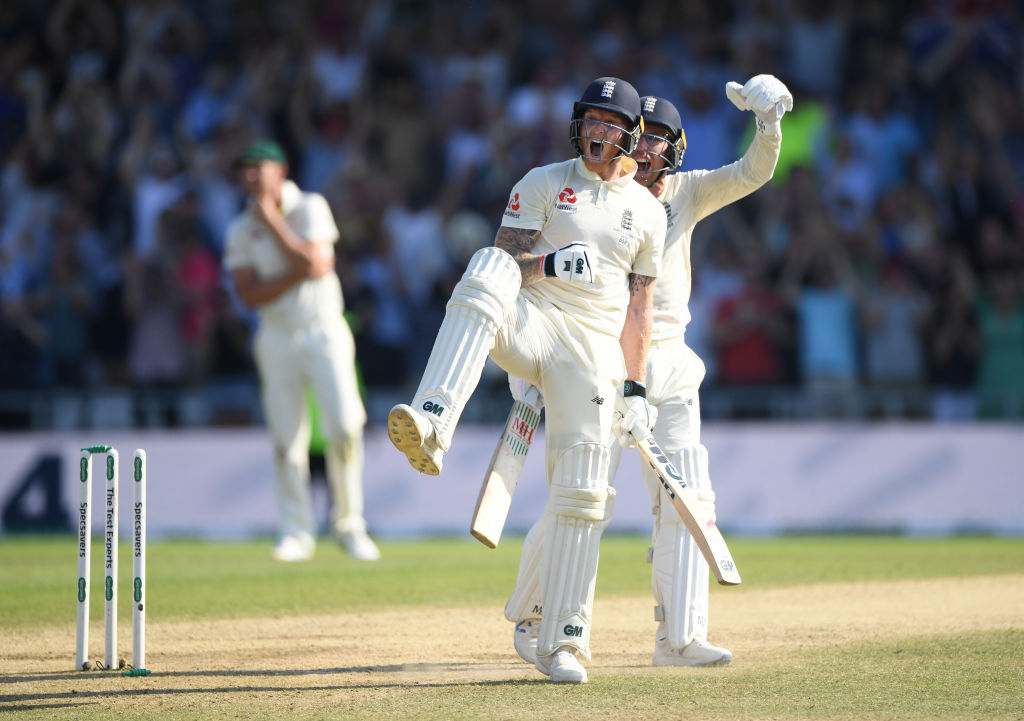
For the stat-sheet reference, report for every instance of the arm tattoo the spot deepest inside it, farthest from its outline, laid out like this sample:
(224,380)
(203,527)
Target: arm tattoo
(519,242)
(516,241)
(637,282)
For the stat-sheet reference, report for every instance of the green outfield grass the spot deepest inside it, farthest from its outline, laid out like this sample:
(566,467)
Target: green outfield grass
(203,580)
(974,674)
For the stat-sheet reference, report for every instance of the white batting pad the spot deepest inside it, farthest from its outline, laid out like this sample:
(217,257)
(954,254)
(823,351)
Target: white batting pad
(679,574)
(580,506)
(525,601)
(475,312)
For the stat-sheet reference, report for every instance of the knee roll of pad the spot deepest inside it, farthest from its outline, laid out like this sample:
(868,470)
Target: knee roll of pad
(588,505)
(490,284)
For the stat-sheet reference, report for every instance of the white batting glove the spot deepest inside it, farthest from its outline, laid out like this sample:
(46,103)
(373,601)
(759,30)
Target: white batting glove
(525,392)
(569,263)
(634,418)
(766,96)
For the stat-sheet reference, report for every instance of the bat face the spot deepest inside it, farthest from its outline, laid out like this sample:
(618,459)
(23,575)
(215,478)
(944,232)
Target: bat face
(703,529)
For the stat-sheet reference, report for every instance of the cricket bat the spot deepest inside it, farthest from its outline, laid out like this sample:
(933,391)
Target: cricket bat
(698,523)
(503,474)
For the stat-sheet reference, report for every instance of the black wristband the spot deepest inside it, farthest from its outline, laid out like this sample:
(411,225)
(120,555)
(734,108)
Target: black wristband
(549,265)
(632,388)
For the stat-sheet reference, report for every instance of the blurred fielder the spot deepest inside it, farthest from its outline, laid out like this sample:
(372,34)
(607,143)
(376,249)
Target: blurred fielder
(280,252)
(674,371)
(563,300)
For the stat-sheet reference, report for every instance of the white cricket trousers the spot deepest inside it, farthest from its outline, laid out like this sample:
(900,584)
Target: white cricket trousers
(324,358)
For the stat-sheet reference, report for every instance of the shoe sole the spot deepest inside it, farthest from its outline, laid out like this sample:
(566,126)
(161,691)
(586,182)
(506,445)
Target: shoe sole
(724,661)
(407,438)
(573,678)
(561,675)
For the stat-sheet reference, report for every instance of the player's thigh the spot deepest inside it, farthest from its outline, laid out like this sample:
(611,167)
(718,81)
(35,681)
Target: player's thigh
(674,373)
(277,358)
(579,387)
(525,342)
(331,369)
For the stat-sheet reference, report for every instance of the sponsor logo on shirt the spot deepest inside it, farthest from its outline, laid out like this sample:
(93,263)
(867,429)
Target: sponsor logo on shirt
(512,207)
(567,200)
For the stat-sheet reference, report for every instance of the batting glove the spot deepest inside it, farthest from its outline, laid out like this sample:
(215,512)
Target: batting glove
(766,96)
(570,263)
(525,392)
(634,417)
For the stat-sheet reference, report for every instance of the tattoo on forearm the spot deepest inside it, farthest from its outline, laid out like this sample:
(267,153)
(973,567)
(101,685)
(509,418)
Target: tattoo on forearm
(516,241)
(519,242)
(639,282)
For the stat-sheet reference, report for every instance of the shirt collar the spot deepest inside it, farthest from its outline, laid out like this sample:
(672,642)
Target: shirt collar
(628,164)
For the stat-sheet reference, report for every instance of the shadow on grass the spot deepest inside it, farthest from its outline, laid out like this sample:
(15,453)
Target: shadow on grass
(62,699)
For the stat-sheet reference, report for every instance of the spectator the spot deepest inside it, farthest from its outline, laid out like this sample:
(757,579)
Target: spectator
(751,331)
(893,318)
(1000,310)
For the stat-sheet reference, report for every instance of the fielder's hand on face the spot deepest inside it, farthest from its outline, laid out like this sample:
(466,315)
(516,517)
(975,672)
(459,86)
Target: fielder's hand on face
(570,263)
(264,208)
(634,418)
(765,95)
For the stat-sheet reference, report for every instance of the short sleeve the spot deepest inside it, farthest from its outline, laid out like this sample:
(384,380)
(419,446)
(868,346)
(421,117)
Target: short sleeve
(527,206)
(236,248)
(320,221)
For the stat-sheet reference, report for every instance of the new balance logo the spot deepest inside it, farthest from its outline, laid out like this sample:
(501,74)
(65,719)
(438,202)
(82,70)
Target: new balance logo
(608,89)
(576,631)
(436,408)
(649,104)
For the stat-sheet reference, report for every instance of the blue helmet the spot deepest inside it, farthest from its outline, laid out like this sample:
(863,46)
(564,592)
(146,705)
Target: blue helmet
(658,111)
(614,95)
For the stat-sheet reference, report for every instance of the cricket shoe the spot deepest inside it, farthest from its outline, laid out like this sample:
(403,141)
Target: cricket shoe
(358,545)
(562,666)
(695,653)
(413,434)
(524,638)
(294,549)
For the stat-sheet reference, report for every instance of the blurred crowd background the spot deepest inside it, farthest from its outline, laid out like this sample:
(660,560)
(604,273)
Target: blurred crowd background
(879,275)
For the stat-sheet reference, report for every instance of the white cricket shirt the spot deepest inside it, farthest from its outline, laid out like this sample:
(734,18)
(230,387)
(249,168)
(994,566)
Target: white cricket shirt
(251,244)
(689,197)
(620,221)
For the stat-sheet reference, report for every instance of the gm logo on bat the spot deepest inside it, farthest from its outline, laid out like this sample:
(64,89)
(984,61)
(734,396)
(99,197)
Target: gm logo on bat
(727,565)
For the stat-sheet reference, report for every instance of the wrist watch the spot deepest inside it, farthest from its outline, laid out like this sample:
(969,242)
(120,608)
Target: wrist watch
(633,388)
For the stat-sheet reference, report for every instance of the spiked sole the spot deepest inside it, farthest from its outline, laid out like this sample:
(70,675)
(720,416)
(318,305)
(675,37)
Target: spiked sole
(406,437)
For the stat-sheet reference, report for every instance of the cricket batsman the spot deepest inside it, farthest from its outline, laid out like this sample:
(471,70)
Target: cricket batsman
(674,371)
(563,300)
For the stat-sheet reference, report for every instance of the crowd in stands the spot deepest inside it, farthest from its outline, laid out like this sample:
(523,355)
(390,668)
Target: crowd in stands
(887,253)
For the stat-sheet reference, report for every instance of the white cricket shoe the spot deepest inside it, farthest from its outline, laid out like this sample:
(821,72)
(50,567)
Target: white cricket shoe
(413,434)
(524,638)
(294,549)
(695,653)
(562,666)
(358,545)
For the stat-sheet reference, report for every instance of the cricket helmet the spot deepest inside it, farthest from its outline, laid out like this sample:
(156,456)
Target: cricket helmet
(614,95)
(660,112)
